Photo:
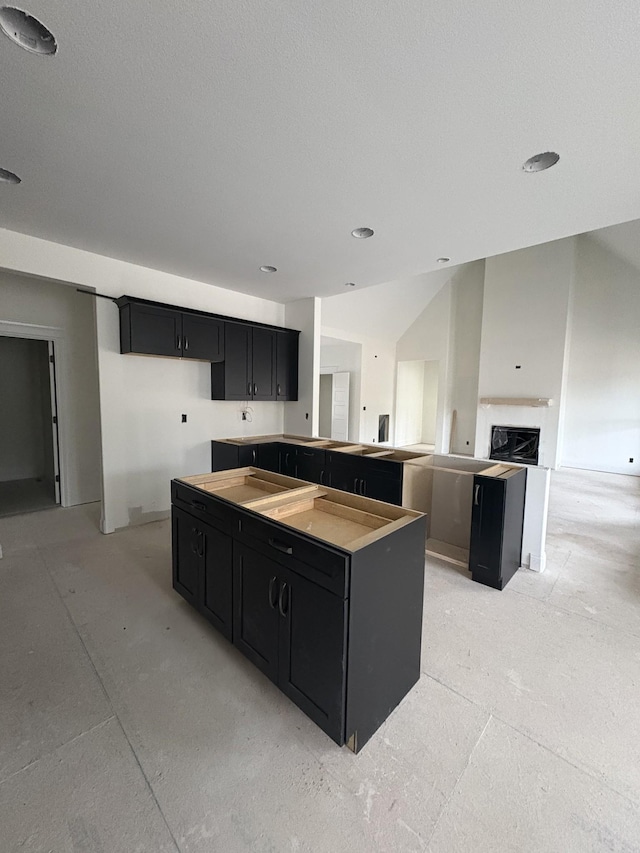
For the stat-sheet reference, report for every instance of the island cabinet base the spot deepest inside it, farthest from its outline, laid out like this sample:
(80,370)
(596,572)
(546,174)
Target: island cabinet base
(336,625)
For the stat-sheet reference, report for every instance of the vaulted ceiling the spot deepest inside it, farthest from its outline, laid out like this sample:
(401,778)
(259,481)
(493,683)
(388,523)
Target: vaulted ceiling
(209,138)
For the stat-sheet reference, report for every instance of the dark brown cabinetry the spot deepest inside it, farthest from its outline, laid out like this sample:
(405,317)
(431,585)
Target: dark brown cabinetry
(251,368)
(287,365)
(497,519)
(156,330)
(370,478)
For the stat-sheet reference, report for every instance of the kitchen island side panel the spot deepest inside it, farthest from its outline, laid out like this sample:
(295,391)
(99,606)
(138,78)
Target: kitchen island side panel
(385,628)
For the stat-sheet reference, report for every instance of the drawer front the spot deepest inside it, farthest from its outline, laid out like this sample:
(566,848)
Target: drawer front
(317,562)
(202,506)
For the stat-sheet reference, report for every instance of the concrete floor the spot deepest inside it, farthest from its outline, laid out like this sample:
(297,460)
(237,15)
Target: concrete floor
(128,724)
(18,496)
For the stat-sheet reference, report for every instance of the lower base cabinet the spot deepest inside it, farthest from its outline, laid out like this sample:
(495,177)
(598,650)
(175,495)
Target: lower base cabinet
(339,632)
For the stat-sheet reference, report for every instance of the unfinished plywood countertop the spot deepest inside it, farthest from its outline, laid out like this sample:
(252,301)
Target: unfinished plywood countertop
(332,516)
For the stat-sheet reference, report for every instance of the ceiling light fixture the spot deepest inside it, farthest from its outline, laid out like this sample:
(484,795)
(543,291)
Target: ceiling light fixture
(26,31)
(268,269)
(7,177)
(350,284)
(443,260)
(540,162)
(362,233)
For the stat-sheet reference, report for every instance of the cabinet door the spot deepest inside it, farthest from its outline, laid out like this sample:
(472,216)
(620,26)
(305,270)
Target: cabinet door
(288,459)
(286,365)
(312,658)
(487,519)
(237,362)
(186,545)
(345,472)
(255,606)
(224,456)
(248,455)
(310,465)
(381,487)
(155,331)
(269,457)
(216,578)
(202,337)
(264,364)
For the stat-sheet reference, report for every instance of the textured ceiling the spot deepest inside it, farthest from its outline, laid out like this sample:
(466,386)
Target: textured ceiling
(207,138)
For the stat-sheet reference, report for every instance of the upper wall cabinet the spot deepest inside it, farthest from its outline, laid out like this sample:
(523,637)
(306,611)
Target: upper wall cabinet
(287,365)
(157,330)
(250,369)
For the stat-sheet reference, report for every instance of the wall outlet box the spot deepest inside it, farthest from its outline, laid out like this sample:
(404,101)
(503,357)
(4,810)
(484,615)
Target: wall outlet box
(184,419)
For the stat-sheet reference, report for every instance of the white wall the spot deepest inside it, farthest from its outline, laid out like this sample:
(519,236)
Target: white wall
(22,430)
(46,303)
(525,319)
(409,402)
(302,417)
(468,291)
(430,401)
(144,443)
(428,339)
(338,356)
(602,423)
(325,404)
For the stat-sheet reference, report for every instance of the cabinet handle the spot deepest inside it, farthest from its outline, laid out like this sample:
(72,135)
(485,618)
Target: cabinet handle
(249,388)
(272,600)
(286,460)
(199,505)
(476,492)
(283,589)
(178,346)
(255,389)
(201,545)
(363,489)
(253,456)
(279,390)
(355,485)
(321,478)
(185,344)
(194,542)
(281,546)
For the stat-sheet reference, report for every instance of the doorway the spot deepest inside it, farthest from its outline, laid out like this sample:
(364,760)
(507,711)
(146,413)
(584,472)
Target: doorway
(29,462)
(417,404)
(334,406)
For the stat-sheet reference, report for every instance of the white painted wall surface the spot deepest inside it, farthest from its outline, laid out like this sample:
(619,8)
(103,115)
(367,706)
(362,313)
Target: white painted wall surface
(23,372)
(302,417)
(409,402)
(45,303)
(602,423)
(468,291)
(430,401)
(324,403)
(428,339)
(142,399)
(525,322)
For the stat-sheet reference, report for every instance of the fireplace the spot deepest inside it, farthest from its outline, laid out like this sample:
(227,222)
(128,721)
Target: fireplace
(515,444)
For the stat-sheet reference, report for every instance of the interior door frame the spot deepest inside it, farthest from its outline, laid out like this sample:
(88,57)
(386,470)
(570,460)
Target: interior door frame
(56,335)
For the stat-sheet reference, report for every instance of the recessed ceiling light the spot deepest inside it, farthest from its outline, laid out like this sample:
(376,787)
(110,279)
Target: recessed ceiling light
(443,260)
(268,269)
(350,284)
(362,233)
(540,162)
(27,31)
(7,177)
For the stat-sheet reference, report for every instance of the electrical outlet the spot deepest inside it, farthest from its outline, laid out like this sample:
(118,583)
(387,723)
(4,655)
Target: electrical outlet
(631,459)
(306,417)
(184,419)
(244,416)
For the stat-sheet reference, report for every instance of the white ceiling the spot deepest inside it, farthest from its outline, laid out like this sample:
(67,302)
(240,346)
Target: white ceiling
(206,138)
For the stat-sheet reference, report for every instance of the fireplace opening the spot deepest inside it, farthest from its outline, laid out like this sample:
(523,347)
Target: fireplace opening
(515,444)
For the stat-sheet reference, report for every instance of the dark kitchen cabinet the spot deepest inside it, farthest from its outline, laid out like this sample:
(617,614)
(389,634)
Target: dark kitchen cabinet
(311,465)
(294,631)
(248,371)
(203,568)
(343,470)
(155,330)
(227,455)
(371,478)
(287,365)
(497,519)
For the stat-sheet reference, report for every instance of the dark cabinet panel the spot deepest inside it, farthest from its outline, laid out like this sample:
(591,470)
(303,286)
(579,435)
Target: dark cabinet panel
(185,541)
(287,365)
(263,364)
(381,486)
(311,465)
(288,459)
(202,337)
(151,330)
(231,379)
(224,456)
(312,651)
(269,456)
(216,578)
(256,617)
(497,520)
(344,471)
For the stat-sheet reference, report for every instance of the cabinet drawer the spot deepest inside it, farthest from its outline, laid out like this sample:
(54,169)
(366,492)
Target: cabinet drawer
(317,562)
(204,507)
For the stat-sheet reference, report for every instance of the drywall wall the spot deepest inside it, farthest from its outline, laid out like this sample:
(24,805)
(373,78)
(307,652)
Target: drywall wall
(428,339)
(409,407)
(338,356)
(602,413)
(144,442)
(43,303)
(525,320)
(468,291)
(430,401)
(22,427)
(302,417)
(326,396)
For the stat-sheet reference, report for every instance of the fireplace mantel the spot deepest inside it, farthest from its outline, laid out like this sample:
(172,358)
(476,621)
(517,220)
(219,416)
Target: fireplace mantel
(538,402)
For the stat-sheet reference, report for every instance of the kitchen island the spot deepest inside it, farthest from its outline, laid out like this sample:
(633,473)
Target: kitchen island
(320,589)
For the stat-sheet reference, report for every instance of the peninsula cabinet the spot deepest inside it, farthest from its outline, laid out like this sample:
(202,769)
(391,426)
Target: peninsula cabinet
(321,590)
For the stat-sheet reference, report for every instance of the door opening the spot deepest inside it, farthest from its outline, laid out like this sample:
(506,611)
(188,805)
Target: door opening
(334,406)
(29,461)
